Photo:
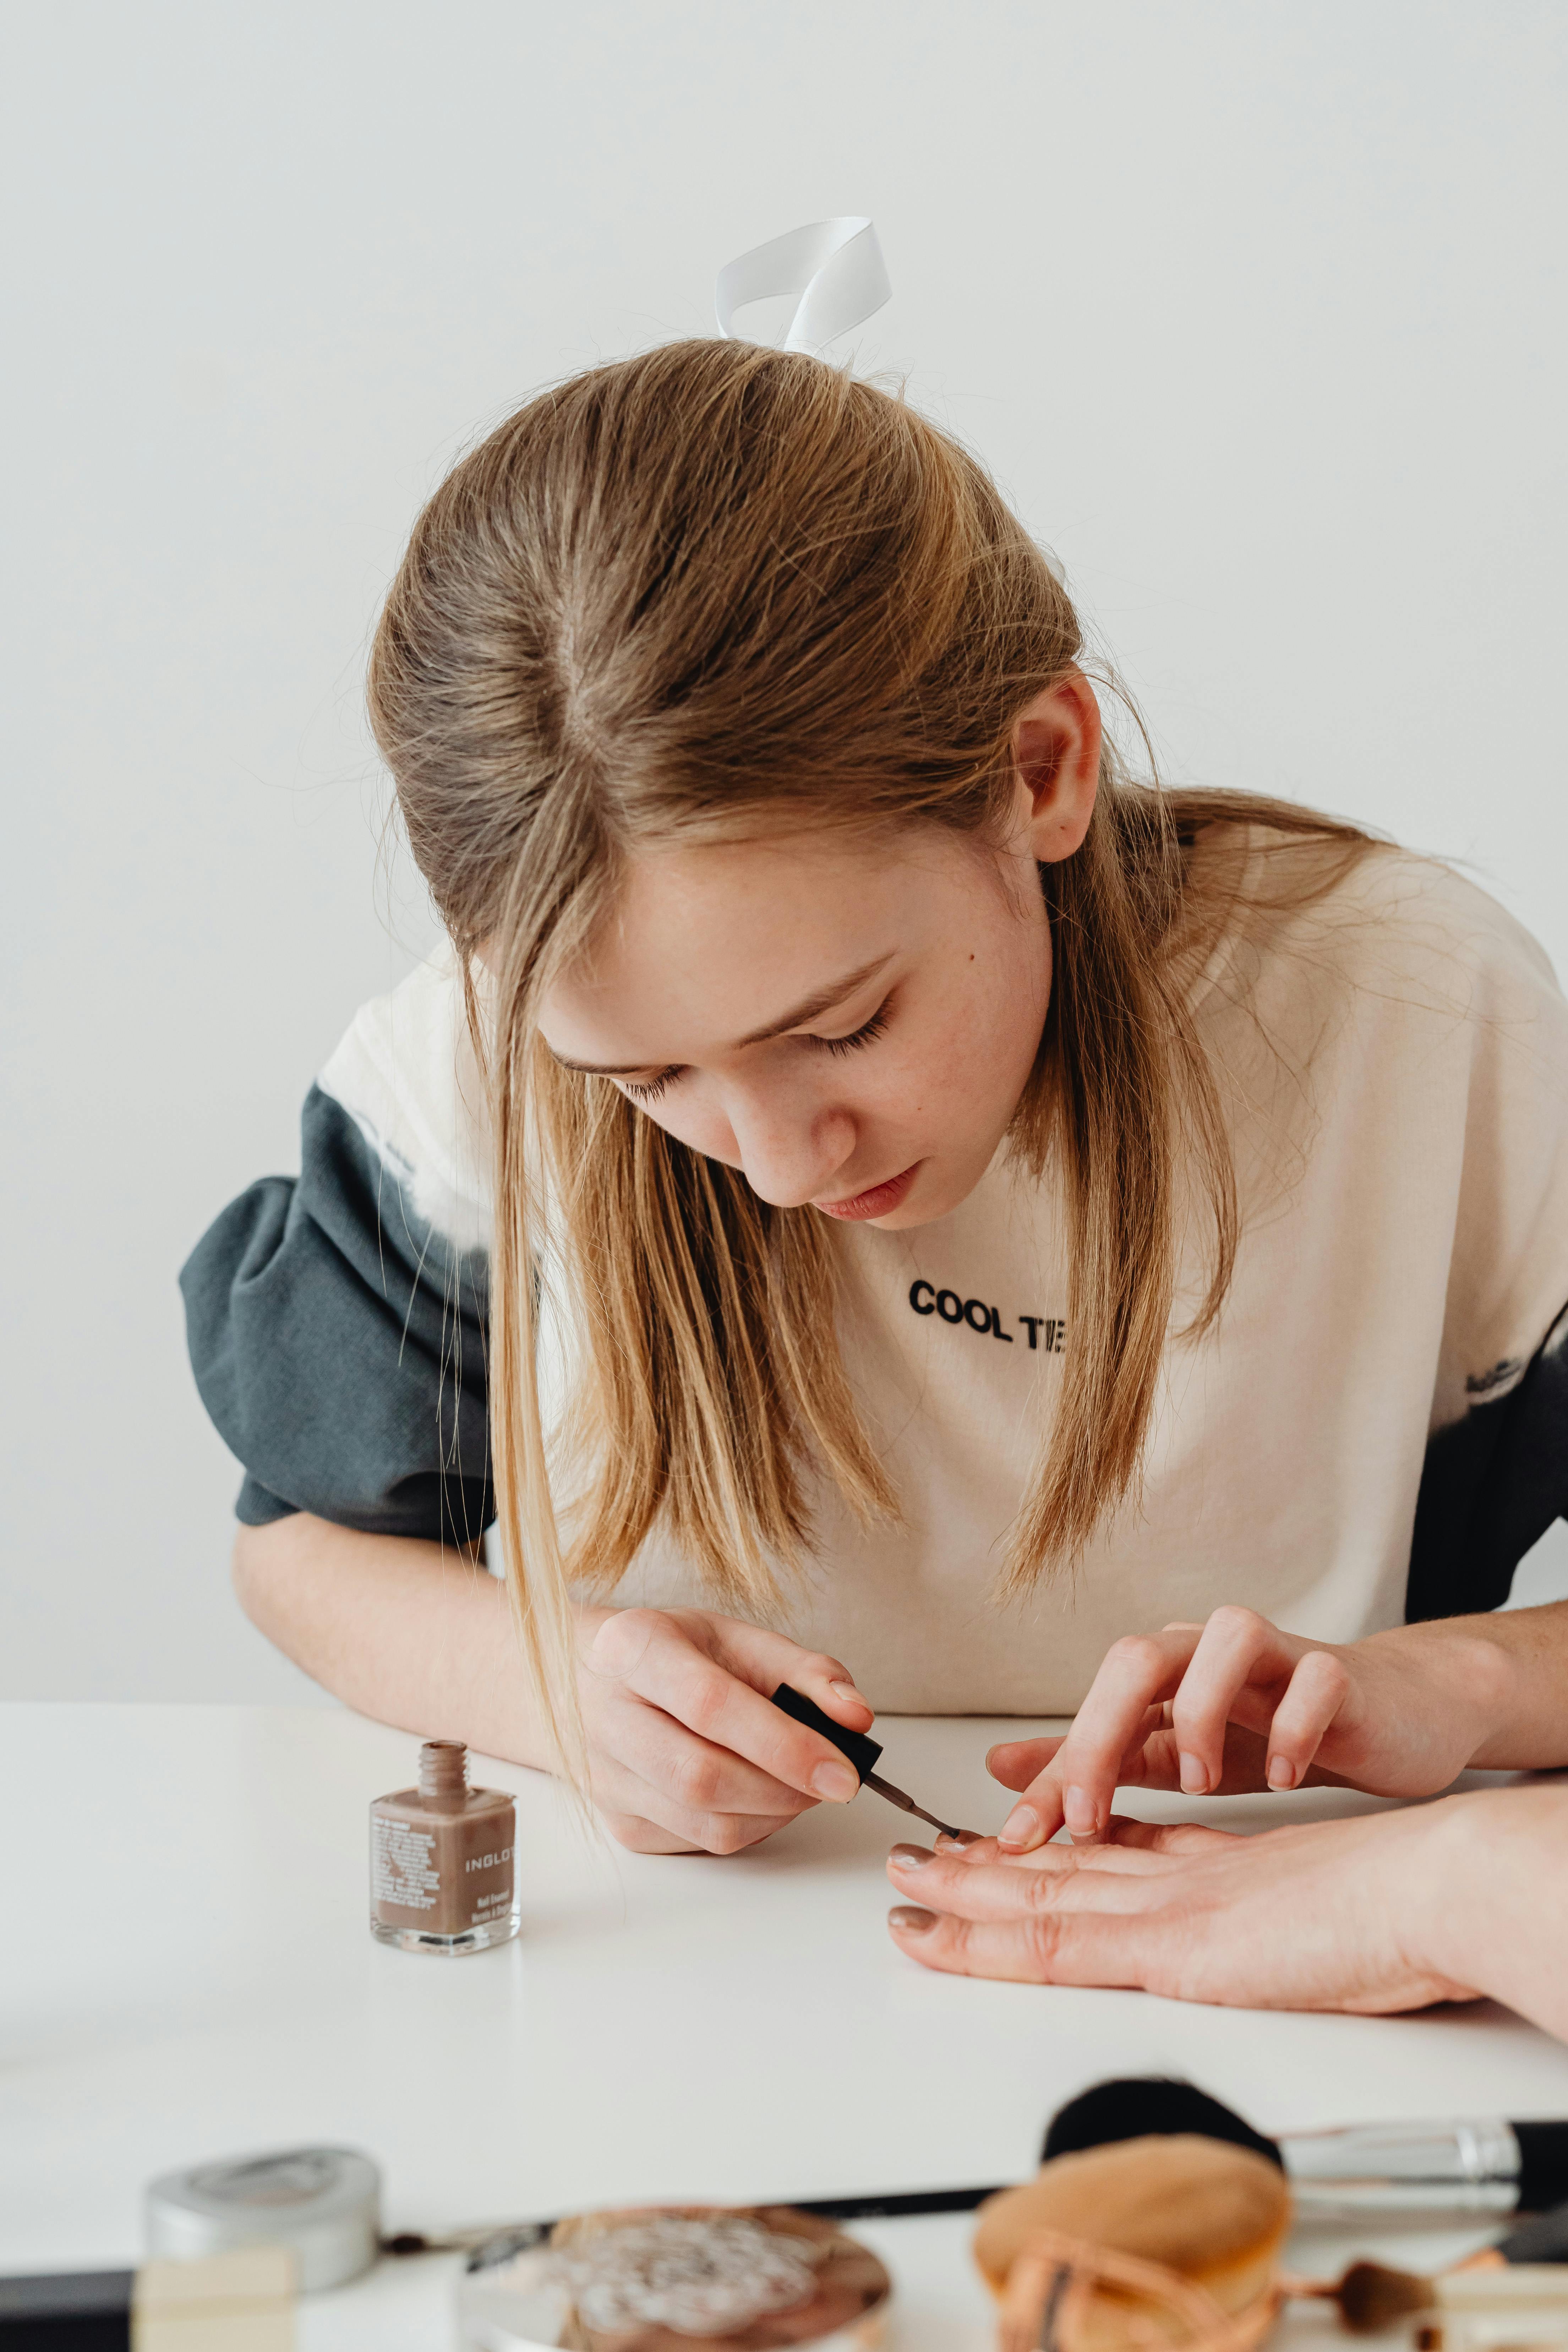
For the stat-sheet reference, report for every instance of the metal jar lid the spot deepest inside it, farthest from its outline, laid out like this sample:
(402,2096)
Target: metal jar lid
(324,2202)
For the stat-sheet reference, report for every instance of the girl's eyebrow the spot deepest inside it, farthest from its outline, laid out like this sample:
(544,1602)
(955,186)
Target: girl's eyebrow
(812,1009)
(823,1001)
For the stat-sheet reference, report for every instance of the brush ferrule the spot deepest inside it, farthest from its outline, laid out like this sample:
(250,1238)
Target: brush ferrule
(1456,2168)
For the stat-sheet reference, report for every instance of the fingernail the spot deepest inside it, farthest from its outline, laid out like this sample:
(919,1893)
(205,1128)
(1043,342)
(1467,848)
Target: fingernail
(1282,1772)
(910,1857)
(1021,1828)
(911,1921)
(848,1691)
(1195,1776)
(1081,1812)
(839,1782)
(959,1842)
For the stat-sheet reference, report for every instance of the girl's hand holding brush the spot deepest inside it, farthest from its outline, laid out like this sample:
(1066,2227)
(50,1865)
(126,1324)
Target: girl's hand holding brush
(687,1753)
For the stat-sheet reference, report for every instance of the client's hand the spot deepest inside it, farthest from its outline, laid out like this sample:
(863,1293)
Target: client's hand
(1332,1915)
(1237,1704)
(688,1755)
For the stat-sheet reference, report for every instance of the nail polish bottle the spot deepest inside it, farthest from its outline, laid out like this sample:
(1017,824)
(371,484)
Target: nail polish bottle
(442,1869)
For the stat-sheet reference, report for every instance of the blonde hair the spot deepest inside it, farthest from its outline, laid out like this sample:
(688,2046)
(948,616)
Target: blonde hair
(719,589)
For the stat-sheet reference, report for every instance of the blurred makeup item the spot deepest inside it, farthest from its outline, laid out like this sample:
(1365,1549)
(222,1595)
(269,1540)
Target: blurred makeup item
(1348,2175)
(443,1867)
(321,2204)
(1068,2295)
(654,2279)
(861,1752)
(1497,2311)
(498,2242)
(1211,2218)
(1372,2296)
(1104,2116)
(241,2302)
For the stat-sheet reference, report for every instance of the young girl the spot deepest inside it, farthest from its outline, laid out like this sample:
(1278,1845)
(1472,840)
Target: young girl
(874,1198)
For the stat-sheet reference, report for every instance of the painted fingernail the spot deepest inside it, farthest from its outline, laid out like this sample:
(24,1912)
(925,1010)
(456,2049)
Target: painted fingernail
(959,1842)
(911,1921)
(838,1783)
(856,1698)
(1021,1828)
(910,1857)
(1282,1772)
(1081,1812)
(1195,1776)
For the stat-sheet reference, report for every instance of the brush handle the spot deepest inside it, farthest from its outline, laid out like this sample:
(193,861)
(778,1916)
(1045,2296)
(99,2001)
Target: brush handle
(861,1752)
(1542,2239)
(1543,2168)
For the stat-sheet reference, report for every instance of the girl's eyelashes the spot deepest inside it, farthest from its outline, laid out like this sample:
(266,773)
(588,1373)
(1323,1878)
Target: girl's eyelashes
(647,1090)
(857,1037)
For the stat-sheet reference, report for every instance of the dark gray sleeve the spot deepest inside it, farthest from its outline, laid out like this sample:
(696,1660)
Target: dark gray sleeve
(338,1344)
(1491,1485)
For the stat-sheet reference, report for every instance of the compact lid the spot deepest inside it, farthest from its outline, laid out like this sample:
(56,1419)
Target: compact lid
(324,2202)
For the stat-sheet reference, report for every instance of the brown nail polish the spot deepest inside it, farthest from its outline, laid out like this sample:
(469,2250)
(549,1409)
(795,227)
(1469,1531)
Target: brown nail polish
(910,1857)
(443,1873)
(911,1918)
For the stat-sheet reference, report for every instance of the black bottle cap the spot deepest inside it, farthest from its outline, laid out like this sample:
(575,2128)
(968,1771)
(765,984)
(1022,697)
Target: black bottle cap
(862,1752)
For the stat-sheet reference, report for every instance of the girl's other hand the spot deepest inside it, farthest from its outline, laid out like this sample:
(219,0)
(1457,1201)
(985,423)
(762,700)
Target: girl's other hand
(687,1753)
(1238,1705)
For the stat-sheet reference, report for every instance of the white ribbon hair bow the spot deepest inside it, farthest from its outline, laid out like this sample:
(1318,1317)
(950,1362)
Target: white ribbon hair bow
(833,269)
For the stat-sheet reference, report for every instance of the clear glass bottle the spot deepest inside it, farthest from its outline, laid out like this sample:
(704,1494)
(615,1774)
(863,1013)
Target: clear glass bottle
(443,1871)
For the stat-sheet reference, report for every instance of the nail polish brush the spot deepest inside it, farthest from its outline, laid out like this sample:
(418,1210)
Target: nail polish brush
(859,1752)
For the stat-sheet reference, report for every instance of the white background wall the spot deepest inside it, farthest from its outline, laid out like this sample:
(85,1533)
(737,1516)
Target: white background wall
(1256,308)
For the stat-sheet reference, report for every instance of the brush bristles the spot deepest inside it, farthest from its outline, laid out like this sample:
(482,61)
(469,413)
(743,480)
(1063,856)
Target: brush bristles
(1373,2297)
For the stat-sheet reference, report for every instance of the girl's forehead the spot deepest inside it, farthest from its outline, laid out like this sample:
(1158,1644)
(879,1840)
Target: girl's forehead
(709,943)
(750,902)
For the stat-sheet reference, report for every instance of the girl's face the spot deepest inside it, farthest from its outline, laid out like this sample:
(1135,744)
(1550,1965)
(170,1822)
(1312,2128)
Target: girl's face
(848,1021)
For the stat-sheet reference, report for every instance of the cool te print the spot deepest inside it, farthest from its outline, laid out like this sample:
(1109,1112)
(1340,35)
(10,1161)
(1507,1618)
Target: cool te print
(1046,1332)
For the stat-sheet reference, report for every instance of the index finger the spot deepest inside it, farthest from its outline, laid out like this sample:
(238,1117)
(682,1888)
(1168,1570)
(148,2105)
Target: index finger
(1135,1676)
(1016,1762)
(723,1700)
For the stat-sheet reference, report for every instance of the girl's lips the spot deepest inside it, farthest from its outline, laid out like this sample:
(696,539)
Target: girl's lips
(876,1202)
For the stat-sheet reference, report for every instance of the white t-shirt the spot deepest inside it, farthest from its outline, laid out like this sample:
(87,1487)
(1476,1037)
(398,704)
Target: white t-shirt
(1394,1060)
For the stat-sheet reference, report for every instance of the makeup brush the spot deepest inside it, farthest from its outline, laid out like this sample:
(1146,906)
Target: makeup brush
(1369,2294)
(858,1751)
(1372,2296)
(1488,2166)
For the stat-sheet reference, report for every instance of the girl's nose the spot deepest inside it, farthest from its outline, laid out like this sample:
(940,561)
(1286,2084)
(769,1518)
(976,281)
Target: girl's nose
(790,1160)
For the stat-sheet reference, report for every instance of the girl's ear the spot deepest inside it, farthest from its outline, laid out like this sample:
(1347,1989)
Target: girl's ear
(1056,742)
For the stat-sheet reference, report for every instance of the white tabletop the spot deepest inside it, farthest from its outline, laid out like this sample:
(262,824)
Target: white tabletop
(188,1974)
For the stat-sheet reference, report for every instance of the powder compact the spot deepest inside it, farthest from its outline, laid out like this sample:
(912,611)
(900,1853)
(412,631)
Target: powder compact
(687,2278)
(322,2204)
